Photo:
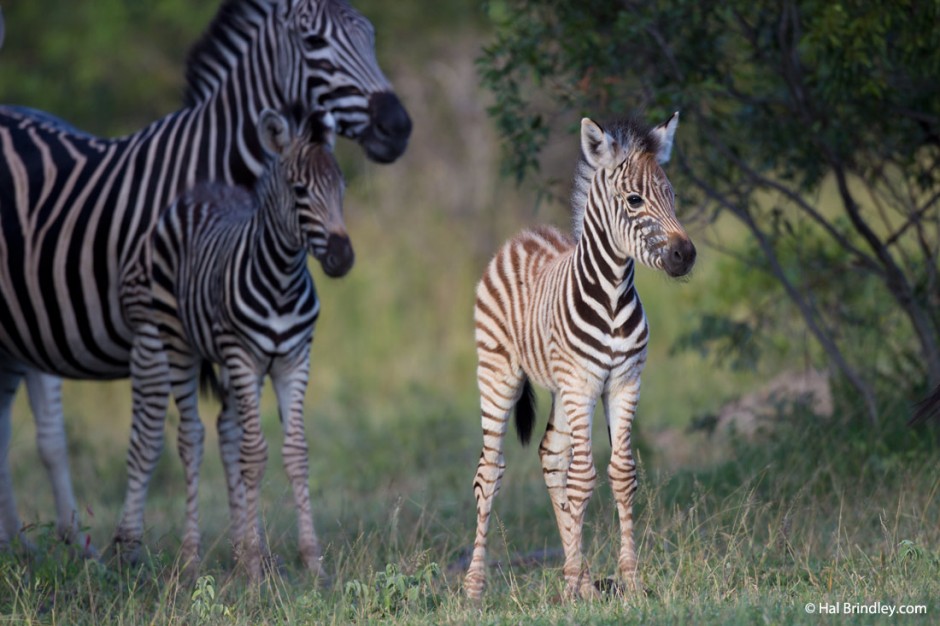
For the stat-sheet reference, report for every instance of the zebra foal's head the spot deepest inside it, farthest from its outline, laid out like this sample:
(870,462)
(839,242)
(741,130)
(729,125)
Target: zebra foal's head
(633,200)
(333,48)
(310,184)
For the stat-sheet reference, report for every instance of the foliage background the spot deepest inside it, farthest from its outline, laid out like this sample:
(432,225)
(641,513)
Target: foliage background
(733,529)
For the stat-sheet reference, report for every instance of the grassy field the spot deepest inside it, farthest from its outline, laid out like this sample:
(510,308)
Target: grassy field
(814,511)
(799,517)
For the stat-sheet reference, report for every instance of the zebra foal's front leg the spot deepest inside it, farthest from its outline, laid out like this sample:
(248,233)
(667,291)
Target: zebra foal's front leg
(579,487)
(620,407)
(290,385)
(253,456)
(184,373)
(500,385)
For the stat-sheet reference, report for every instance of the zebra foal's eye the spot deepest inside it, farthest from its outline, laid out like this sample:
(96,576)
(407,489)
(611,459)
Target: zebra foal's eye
(301,191)
(634,201)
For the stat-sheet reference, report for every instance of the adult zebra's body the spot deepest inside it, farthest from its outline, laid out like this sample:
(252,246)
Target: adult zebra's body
(563,312)
(75,209)
(229,284)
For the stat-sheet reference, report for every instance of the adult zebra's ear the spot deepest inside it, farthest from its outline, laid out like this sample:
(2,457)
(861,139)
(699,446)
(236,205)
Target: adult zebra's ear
(273,131)
(665,133)
(597,146)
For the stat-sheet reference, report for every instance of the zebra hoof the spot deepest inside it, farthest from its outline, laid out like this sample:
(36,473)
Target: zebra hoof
(125,551)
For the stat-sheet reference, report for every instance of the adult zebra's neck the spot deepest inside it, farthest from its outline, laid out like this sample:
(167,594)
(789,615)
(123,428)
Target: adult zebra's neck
(230,80)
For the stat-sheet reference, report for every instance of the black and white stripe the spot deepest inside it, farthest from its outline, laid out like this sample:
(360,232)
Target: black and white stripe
(75,209)
(563,312)
(229,285)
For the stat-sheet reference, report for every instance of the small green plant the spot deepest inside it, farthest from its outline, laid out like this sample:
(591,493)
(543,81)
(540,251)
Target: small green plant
(392,591)
(204,604)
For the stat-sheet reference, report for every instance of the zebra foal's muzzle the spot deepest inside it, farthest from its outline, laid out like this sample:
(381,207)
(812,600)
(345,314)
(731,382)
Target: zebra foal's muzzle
(339,256)
(679,256)
(386,136)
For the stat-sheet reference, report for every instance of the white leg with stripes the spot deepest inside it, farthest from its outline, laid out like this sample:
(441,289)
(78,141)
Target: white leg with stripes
(290,385)
(620,407)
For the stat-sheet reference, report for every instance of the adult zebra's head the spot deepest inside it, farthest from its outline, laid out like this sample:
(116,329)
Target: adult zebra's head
(622,190)
(329,58)
(302,164)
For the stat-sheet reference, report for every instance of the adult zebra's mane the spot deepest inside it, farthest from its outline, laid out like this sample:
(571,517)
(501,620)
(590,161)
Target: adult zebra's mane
(631,136)
(209,53)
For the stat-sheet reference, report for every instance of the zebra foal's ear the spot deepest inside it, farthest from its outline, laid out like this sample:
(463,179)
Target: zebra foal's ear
(274,132)
(665,132)
(597,146)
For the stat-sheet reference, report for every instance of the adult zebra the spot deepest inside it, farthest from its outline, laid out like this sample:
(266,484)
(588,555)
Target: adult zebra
(564,313)
(75,209)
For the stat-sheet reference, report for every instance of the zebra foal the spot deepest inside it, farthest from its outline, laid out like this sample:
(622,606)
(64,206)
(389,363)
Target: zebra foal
(229,285)
(563,312)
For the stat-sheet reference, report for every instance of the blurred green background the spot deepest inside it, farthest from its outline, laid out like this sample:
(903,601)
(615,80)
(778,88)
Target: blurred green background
(394,345)
(392,414)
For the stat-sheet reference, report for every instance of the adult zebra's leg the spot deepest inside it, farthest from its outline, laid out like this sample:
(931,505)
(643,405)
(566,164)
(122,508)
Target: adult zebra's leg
(184,376)
(253,456)
(620,407)
(45,400)
(582,476)
(500,385)
(10,526)
(290,384)
(150,392)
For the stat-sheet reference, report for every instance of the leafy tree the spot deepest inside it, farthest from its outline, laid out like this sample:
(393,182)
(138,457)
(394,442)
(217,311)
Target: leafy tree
(815,124)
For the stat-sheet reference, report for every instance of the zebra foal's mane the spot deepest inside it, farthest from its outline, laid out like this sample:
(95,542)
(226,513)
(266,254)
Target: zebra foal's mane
(631,135)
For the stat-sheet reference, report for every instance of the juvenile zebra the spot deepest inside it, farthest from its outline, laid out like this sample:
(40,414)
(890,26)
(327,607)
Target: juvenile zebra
(563,312)
(229,285)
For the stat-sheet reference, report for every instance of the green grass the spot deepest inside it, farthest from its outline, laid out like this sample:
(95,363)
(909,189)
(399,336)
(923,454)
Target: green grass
(798,517)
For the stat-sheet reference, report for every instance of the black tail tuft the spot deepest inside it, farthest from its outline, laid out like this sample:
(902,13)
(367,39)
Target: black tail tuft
(208,382)
(927,408)
(525,412)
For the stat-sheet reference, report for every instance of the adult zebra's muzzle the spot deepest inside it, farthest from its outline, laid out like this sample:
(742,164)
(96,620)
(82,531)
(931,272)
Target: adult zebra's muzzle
(339,256)
(679,256)
(386,136)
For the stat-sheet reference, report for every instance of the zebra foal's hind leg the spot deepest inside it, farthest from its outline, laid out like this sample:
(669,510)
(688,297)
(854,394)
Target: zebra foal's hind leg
(230,436)
(150,392)
(500,385)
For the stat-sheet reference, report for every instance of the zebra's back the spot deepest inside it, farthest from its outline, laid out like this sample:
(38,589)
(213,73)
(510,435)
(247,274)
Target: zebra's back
(512,309)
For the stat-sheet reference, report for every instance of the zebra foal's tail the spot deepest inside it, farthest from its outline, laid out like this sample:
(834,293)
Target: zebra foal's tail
(525,412)
(209,383)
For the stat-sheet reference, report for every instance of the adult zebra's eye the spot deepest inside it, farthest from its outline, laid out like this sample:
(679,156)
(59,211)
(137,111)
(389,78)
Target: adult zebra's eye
(301,191)
(315,42)
(634,201)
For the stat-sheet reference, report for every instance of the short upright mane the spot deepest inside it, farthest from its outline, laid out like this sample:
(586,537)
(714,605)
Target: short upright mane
(210,51)
(632,136)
